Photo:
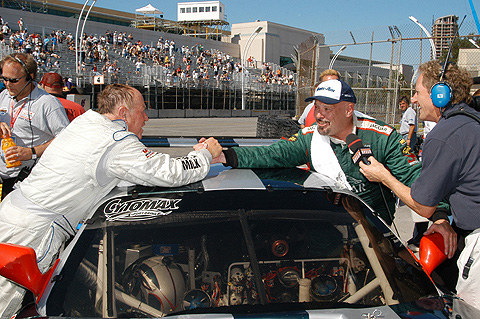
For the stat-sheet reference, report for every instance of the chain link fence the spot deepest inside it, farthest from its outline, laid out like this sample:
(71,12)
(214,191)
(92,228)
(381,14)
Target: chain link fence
(381,64)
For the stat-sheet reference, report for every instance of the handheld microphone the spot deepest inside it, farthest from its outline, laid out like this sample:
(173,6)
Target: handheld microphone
(360,153)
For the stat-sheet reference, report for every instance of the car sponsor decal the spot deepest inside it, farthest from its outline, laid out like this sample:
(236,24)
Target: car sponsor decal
(148,153)
(406,150)
(139,209)
(412,159)
(309,130)
(292,138)
(372,126)
(189,163)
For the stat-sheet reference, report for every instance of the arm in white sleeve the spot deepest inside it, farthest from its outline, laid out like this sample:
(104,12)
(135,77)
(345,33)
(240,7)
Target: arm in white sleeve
(130,160)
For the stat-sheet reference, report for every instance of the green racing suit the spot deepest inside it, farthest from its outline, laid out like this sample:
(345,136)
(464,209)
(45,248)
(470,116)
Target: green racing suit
(387,146)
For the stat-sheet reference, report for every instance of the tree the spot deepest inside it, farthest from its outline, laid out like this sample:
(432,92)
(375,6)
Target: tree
(459,43)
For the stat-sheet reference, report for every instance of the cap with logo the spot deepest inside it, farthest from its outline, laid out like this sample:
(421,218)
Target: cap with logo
(333,92)
(52,79)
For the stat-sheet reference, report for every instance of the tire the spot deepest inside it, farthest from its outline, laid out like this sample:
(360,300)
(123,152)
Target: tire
(274,126)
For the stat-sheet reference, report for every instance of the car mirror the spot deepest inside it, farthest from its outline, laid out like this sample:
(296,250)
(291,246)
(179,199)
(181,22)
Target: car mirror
(19,264)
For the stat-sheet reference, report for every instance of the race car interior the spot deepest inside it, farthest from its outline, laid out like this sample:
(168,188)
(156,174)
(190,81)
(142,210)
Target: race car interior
(224,260)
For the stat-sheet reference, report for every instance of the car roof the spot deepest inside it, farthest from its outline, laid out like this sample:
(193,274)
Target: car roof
(221,179)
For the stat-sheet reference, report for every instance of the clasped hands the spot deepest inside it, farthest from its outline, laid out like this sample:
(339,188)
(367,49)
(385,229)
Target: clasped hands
(212,145)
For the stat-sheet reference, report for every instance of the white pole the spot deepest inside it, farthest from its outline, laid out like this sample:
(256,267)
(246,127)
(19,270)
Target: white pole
(336,56)
(434,51)
(76,38)
(83,27)
(247,46)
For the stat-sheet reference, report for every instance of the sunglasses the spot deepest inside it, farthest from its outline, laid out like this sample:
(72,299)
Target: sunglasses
(12,80)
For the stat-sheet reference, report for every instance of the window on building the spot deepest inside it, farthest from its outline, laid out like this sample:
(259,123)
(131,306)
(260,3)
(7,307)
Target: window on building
(195,9)
(189,10)
(207,9)
(220,9)
(214,9)
(201,9)
(182,10)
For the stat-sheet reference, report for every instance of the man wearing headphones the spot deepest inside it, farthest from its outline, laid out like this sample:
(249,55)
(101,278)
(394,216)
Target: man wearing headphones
(451,165)
(27,113)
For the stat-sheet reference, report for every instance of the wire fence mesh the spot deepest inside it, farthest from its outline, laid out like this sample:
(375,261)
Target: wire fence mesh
(381,64)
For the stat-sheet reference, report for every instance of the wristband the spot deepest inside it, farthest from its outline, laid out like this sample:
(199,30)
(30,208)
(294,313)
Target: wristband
(230,158)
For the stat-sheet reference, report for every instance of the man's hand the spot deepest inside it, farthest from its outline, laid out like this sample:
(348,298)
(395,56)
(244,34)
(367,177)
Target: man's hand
(375,172)
(5,129)
(211,145)
(220,159)
(18,153)
(443,227)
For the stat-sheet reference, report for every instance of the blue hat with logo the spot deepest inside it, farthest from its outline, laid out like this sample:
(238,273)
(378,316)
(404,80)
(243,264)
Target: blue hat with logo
(333,92)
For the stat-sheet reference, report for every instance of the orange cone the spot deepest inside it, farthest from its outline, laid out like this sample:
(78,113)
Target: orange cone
(431,251)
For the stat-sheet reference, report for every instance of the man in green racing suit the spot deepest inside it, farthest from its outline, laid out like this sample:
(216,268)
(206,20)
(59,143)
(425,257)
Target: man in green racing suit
(323,149)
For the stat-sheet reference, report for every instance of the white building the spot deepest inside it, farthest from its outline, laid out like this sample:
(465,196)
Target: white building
(274,43)
(200,11)
(470,60)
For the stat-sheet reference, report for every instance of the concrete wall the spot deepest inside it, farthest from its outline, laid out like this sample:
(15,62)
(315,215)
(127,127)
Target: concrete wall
(273,41)
(214,113)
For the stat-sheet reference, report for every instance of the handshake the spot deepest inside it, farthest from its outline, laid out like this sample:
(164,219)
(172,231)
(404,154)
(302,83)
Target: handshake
(213,147)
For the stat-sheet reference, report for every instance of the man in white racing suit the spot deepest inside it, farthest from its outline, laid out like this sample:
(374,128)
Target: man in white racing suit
(84,163)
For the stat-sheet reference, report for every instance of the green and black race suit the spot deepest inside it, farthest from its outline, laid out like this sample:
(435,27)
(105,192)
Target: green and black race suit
(387,145)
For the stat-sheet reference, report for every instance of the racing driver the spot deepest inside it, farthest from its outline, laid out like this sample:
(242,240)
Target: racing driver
(84,163)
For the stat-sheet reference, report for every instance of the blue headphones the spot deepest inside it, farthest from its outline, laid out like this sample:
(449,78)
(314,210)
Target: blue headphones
(441,93)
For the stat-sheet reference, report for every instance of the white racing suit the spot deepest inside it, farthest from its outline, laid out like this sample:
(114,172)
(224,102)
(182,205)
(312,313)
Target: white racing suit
(83,164)
(469,270)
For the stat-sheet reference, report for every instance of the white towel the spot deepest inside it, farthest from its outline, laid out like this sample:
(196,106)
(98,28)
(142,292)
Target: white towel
(325,162)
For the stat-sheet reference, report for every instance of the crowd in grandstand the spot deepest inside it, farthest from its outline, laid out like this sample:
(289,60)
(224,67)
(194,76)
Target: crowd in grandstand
(179,64)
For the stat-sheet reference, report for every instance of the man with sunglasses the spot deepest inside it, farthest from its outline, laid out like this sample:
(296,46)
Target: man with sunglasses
(28,114)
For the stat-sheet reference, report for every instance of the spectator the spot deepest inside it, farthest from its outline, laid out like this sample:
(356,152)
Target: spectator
(31,116)
(20,24)
(408,123)
(69,86)
(53,83)
(5,30)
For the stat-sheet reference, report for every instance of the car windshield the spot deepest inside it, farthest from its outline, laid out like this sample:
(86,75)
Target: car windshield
(224,251)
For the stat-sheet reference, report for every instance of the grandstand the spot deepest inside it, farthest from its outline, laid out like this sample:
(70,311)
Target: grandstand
(171,78)
(195,76)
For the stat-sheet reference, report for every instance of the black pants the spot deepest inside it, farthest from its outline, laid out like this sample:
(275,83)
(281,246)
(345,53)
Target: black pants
(7,186)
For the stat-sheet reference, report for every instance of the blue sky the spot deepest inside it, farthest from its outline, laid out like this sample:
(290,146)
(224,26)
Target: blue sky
(318,16)
(335,19)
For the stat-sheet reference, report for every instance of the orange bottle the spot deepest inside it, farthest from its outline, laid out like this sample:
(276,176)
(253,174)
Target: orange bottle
(8,142)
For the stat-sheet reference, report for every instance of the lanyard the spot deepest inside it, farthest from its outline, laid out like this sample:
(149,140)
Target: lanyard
(13,117)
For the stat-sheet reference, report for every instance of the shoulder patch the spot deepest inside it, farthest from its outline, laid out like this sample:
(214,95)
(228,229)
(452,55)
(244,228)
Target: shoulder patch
(371,125)
(148,153)
(292,138)
(309,129)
